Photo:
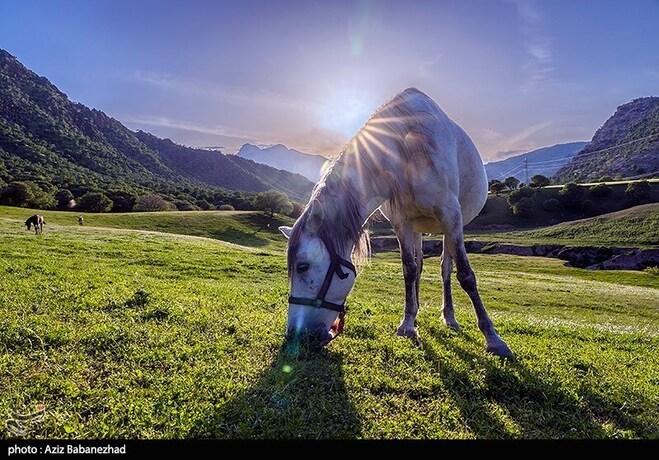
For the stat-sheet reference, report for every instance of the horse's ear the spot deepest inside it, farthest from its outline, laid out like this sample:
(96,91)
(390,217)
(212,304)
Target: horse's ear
(286,231)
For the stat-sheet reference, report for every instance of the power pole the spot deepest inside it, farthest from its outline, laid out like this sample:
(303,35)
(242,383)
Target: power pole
(526,170)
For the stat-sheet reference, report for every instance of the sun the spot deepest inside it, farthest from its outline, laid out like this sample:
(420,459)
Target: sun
(345,111)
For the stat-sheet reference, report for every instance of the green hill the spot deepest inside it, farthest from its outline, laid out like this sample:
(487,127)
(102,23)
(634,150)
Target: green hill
(50,140)
(247,228)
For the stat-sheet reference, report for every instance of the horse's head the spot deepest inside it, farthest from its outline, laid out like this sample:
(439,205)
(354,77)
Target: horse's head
(320,280)
(28,224)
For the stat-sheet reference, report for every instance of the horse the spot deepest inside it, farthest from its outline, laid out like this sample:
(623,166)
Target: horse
(421,170)
(38,222)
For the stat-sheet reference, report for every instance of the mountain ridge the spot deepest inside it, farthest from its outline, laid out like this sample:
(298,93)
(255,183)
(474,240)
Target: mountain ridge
(47,138)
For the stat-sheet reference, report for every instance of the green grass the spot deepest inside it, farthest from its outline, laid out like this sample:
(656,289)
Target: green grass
(246,228)
(134,334)
(637,226)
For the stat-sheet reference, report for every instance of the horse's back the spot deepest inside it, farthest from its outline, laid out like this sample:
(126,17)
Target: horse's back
(455,158)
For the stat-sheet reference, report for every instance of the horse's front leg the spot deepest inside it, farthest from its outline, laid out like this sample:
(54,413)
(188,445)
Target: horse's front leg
(412,258)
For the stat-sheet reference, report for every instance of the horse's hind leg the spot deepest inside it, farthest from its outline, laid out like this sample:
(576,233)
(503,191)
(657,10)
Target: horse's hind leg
(447,307)
(410,251)
(451,216)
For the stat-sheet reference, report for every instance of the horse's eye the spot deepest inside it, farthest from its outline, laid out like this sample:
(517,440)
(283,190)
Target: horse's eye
(302,267)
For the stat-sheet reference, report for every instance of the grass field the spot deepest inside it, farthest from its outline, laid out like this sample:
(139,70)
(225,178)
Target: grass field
(637,227)
(124,333)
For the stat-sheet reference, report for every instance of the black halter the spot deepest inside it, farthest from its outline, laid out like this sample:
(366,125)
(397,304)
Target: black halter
(336,264)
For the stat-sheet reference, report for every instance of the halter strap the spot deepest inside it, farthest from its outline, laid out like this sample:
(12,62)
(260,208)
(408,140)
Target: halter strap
(336,264)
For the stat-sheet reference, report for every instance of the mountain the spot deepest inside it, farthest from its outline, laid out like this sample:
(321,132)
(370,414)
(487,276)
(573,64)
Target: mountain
(545,161)
(48,139)
(281,157)
(626,145)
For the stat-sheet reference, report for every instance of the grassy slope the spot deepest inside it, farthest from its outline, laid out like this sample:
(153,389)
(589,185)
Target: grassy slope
(200,354)
(240,227)
(637,226)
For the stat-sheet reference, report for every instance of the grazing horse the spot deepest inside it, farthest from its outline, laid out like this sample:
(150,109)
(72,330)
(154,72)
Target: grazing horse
(37,221)
(423,172)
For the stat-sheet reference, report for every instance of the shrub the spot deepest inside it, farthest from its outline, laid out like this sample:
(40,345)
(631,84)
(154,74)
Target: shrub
(551,205)
(524,207)
(205,205)
(95,202)
(297,210)
(600,190)
(226,207)
(153,203)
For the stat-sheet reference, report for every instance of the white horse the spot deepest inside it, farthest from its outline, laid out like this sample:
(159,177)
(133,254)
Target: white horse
(423,172)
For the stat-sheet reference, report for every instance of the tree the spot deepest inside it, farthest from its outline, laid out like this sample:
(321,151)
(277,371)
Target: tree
(65,199)
(539,181)
(524,207)
(497,186)
(123,201)
(551,205)
(517,195)
(226,207)
(95,202)
(297,210)
(184,205)
(273,202)
(600,190)
(153,203)
(16,194)
(511,182)
(572,196)
(638,192)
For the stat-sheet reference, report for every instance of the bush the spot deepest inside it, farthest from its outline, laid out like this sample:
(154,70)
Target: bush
(524,207)
(600,190)
(551,205)
(638,192)
(572,196)
(95,202)
(297,210)
(153,203)
(226,207)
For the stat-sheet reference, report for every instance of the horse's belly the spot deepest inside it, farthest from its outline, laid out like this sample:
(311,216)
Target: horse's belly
(426,225)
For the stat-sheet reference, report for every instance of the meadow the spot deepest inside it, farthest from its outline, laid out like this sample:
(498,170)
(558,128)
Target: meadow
(155,328)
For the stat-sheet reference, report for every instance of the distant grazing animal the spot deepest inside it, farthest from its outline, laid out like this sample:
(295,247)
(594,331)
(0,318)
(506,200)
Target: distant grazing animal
(80,220)
(423,172)
(37,221)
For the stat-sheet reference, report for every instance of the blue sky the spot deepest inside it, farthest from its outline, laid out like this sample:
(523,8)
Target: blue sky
(515,74)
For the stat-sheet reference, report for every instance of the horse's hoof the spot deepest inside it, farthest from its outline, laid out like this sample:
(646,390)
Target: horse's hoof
(500,349)
(452,324)
(409,333)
